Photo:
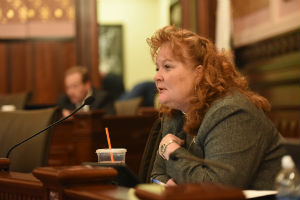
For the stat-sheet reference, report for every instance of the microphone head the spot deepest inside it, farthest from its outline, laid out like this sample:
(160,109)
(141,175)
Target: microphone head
(89,100)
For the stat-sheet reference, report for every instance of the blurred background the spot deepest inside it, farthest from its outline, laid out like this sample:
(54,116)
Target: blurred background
(40,39)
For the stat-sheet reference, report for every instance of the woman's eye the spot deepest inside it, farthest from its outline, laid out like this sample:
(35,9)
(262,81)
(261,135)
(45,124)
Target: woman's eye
(156,69)
(166,66)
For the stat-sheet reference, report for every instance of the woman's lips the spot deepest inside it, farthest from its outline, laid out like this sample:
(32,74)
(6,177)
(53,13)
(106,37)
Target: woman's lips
(161,90)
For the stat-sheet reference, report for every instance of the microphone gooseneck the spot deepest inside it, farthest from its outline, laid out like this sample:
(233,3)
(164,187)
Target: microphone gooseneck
(88,101)
(203,161)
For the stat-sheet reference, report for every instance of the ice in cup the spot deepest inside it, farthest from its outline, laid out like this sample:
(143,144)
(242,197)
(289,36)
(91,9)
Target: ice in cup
(104,155)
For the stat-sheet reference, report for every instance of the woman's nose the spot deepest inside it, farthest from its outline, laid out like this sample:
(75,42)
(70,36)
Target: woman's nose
(157,76)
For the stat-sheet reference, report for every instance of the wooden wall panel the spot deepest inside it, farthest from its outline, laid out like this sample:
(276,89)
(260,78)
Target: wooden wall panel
(199,16)
(48,68)
(186,9)
(3,69)
(36,66)
(45,65)
(19,67)
(206,18)
(67,59)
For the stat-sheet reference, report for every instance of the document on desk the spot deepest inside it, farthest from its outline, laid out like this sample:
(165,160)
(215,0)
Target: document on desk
(251,194)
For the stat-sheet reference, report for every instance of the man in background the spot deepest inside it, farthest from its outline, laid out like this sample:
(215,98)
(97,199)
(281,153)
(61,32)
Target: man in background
(78,87)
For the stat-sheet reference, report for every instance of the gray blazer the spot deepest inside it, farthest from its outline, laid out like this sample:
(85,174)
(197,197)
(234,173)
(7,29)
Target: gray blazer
(234,132)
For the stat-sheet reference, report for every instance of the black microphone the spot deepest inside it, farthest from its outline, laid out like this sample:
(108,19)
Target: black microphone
(203,161)
(88,101)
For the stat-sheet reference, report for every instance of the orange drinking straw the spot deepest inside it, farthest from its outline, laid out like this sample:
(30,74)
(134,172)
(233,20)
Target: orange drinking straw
(109,145)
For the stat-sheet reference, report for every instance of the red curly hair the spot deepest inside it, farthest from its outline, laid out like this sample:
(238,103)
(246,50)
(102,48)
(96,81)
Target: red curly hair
(218,77)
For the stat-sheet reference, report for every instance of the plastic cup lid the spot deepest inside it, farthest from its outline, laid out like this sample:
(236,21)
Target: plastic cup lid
(114,150)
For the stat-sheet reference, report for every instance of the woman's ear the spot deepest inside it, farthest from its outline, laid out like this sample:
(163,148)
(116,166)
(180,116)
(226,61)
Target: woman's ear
(199,68)
(199,71)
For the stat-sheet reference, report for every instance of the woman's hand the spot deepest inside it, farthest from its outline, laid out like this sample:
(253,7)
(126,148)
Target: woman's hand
(171,182)
(168,145)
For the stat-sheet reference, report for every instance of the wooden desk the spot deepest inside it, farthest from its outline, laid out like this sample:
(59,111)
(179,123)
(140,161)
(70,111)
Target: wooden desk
(81,182)
(14,185)
(98,192)
(59,183)
(76,140)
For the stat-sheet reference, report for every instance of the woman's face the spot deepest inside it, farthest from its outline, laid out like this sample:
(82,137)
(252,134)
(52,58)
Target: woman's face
(174,80)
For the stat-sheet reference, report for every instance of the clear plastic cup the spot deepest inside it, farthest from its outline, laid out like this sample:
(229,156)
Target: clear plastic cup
(104,155)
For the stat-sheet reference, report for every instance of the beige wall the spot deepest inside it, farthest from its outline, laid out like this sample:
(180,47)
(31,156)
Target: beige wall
(140,19)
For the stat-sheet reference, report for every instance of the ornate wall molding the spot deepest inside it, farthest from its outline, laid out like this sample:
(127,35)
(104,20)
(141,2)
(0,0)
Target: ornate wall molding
(267,49)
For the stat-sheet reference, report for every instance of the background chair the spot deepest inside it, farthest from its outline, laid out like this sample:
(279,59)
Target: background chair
(19,100)
(147,90)
(18,125)
(128,107)
(150,150)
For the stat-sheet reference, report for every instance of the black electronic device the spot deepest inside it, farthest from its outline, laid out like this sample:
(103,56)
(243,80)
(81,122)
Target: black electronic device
(126,177)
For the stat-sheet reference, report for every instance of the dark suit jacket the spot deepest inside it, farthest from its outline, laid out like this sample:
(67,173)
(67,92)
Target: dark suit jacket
(102,101)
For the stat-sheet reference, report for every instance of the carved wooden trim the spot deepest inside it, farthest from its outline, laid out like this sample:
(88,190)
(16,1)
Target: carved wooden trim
(269,48)
(4,163)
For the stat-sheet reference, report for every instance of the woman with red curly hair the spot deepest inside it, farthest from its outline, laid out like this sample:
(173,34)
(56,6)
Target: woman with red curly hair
(208,112)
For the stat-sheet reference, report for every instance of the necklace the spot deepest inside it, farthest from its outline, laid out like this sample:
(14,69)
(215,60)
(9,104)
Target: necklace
(192,142)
